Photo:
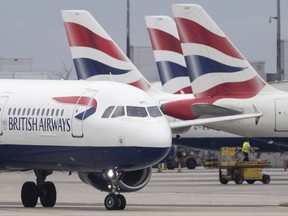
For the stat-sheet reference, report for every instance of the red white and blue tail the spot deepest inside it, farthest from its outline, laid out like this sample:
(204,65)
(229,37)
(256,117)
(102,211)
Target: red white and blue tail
(217,68)
(96,56)
(168,54)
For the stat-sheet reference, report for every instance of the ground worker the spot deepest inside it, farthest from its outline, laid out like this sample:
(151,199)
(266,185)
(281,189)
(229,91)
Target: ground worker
(245,150)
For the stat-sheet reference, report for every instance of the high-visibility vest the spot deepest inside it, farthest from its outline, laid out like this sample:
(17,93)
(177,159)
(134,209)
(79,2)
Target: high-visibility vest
(245,147)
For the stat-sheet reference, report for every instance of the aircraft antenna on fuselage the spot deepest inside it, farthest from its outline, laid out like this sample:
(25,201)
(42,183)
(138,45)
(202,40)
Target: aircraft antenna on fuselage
(110,77)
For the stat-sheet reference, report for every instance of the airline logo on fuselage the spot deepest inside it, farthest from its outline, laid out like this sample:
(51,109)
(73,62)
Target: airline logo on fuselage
(88,102)
(54,123)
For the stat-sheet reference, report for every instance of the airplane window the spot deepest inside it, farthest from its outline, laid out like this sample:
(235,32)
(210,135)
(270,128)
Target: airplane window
(47,112)
(136,111)
(57,112)
(19,111)
(38,111)
(23,112)
(33,111)
(9,111)
(14,111)
(52,112)
(108,112)
(118,112)
(43,111)
(154,111)
(28,111)
(62,112)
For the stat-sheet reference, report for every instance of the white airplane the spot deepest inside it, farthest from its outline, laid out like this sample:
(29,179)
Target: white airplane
(97,57)
(174,77)
(236,88)
(103,130)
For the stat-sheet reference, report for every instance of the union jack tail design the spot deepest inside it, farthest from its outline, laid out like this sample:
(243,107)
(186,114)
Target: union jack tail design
(168,54)
(216,67)
(96,56)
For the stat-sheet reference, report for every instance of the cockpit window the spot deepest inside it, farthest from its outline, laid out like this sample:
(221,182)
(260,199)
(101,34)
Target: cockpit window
(118,112)
(132,111)
(154,111)
(108,112)
(136,111)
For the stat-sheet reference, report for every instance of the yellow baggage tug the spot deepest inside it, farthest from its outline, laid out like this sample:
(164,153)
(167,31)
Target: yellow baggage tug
(232,167)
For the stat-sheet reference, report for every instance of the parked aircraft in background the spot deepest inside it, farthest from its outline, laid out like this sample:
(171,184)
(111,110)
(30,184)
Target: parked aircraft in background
(95,128)
(169,58)
(236,89)
(168,54)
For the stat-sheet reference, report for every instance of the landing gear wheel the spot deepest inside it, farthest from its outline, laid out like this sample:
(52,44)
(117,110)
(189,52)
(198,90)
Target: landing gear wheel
(238,179)
(48,194)
(122,202)
(29,194)
(111,202)
(266,179)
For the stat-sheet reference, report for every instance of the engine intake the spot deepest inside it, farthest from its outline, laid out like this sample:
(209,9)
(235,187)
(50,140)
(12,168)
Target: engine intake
(129,181)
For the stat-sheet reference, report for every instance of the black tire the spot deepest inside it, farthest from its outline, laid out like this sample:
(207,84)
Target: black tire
(29,194)
(250,181)
(48,194)
(122,202)
(171,166)
(266,179)
(238,179)
(191,163)
(223,181)
(111,202)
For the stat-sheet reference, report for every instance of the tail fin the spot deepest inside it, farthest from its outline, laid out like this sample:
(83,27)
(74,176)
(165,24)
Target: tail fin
(168,54)
(217,67)
(95,54)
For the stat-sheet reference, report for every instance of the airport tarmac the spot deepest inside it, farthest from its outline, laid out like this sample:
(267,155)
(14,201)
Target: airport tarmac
(191,192)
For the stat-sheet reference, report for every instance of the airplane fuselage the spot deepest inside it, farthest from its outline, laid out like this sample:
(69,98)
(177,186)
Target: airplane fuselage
(60,125)
(273,124)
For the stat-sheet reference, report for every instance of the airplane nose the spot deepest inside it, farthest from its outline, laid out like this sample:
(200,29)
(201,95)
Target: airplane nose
(155,140)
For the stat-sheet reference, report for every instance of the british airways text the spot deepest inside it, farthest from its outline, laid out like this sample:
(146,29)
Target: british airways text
(39,124)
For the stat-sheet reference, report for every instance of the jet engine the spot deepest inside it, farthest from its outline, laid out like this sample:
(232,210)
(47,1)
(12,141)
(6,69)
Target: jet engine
(127,181)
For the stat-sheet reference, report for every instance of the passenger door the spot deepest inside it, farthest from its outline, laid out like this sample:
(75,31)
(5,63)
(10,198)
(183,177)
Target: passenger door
(3,101)
(281,114)
(80,111)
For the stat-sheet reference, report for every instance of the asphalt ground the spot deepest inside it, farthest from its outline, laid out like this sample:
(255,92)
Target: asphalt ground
(191,192)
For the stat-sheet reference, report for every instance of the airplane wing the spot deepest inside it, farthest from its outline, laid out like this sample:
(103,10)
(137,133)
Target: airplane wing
(184,126)
(211,110)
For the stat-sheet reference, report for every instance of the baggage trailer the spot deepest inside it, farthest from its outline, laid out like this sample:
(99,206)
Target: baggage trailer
(233,168)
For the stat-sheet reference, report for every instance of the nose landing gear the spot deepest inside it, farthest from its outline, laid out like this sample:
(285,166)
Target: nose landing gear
(114,201)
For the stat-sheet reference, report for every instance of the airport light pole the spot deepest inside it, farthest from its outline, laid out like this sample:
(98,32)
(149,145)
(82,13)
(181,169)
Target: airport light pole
(278,52)
(128,30)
